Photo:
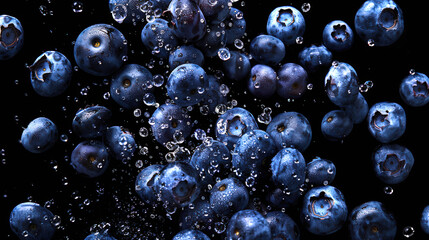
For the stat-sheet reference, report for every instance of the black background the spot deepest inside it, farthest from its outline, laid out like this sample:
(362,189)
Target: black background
(49,179)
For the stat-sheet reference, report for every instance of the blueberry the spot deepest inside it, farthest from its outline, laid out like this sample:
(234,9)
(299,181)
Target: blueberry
(198,215)
(233,124)
(186,84)
(358,110)
(282,197)
(291,81)
(11,37)
(211,160)
(187,20)
(144,184)
(121,142)
(235,25)
(130,84)
(386,121)
(379,22)
(414,90)
(320,172)
(315,58)
(159,38)
(262,81)
(286,23)
(341,84)
(252,154)
(91,122)
(324,210)
(392,163)
(51,74)
(40,135)
(127,11)
(168,120)
(185,54)
(268,50)
(31,221)
(99,236)
(229,196)
(178,185)
(282,226)
(248,225)
(99,50)
(237,67)
(290,129)
(372,221)
(424,220)
(338,36)
(213,96)
(288,169)
(90,158)
(191,234)
(214,39)
(336,125)
(215,11)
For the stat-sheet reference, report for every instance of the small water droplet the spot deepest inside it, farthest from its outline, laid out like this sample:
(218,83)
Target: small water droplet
(408,231)
(77,7)
(306,7)
(371,42)
(224,54)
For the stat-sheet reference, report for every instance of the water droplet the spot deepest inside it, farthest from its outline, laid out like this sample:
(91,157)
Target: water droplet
(224,90)
(371,42)
(238,43)
(77,7)
(43,10)
(388,190)
(158,80)
(149,99)
(299,40)
(143,132)
(412,71)
(139,164)
(224,54)
(408,231)
(119,13)
(306,7)
(310,86)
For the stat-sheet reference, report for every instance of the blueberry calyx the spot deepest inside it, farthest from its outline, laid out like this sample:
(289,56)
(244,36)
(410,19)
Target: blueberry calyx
(340,32)
(393,164)
(379,120)
(15,31)
(388,18)
(286,17)
(420,89)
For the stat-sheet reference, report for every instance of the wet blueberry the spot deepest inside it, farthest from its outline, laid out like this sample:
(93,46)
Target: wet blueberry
(40,135)
(90,158)
(191,234)
(262,81)
(235,25)
(286,23)
(358,110)
(185,54)
(315,58)
(392,163)
(144,184)
(11,37)
(120,142)
(266,49)
(237,67)
(424,220)
(338,36)
(321,172)
(91,122)
(386,121)
(159,38)
(288,169)
(414,90)
(291,81)
(341,84)
(336,125)
(99,236)
(229,196)
(248,225)
(282,226)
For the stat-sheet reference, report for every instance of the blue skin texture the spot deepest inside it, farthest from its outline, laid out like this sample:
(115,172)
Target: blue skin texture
(233,124)
(281,197)
(187,84)
(11,37)
(414,90)
(144,184)
(214,39)
(32,219)
(178,185)
(99,236)
(288,169)
(291,81)
(159,38)
(268,50)
(131,7)
(237,67)
(99,50)
(214,11)
(200,216)
(252,154)
(130,84)
(341,84)
(91,122)
(185,54)
(315,58)
(381,21)
(166,120)
(235,25)
(51,74)
(371,221)
(262,81)
(392,163)
(187,20)
(191,234)
(338,36)
(424,220)
(211,160)
(248,225)
(90,158)
(358,110)
(324,210)
(229,196)
(286,23)
(386,121)
(212,95)
(290,129)
(336,125)
(121,143)
(282,226)
(40,135)
(320,172)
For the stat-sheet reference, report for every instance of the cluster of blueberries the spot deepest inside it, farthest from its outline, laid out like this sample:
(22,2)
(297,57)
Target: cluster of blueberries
(217,177)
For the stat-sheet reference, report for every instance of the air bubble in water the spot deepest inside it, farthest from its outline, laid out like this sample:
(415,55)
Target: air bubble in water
(306,7)
(408,231)
(299,40)
(158,80)
(224,54)
(77,7)
(388,190)
(238,43)
(119,13)
(371,42)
